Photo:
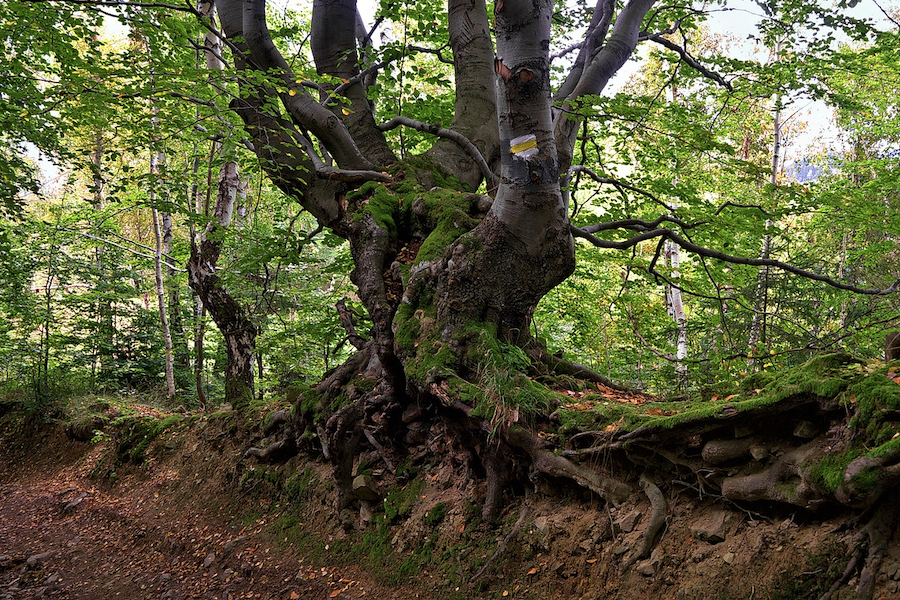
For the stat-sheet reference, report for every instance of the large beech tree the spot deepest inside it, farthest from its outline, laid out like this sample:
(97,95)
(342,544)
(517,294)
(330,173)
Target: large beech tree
(451,277)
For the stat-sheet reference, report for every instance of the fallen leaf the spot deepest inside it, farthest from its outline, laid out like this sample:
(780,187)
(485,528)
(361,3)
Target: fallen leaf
(334,594)
(295,596)
(591,561)
(532,571)
(505,593)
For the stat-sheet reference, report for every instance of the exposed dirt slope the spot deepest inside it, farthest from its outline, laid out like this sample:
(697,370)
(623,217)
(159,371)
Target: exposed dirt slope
(196,520)
(155,533)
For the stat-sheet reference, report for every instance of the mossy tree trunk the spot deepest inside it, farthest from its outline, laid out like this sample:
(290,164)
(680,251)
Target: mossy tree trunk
(448,276)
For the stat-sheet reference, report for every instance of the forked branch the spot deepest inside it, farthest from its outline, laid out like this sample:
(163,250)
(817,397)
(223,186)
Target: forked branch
(688,59)
(666,233)
(449,134)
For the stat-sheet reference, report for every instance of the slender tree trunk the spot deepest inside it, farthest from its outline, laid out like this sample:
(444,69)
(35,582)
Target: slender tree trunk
(180,350)
(156,159)
(762,276)
(676,310)
(161,299)
(674,302)
(104,340)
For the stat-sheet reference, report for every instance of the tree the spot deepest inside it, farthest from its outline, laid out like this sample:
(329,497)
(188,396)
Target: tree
(454,245)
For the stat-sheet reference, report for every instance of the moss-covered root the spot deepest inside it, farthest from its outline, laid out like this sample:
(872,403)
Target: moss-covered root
(869,549)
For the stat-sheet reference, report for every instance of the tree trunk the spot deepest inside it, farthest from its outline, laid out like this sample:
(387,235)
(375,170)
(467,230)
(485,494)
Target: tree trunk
(675,307)
(161,299)
(230,317)
(181,352)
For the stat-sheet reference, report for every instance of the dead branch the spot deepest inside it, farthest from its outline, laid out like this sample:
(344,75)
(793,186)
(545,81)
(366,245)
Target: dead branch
(463,141)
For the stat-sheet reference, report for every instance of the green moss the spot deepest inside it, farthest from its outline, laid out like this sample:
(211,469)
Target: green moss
(400,501)
(866,480)
(377,200)
(137,434)
(436,515)
(889,448)
(450,211)
(757,380)
(825,377)
(409,327)
(871,396)
(828,473)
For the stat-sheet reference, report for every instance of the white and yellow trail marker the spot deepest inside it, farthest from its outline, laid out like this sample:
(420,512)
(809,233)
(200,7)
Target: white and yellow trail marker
(524,146)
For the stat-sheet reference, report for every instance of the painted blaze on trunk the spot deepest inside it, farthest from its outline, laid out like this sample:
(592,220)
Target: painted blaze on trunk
(525,245)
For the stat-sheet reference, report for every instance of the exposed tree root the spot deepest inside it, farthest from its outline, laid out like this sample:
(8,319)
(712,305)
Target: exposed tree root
(344,430)
(275,421)
(784,481)
(759,454)
(496,466)
(869,548)
(504,544)
(548,463)
(659,509)
(276,452)
(380,449)
(567,367)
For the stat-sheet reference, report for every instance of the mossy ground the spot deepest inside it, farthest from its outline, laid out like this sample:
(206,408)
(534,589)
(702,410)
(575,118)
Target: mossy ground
(838,377)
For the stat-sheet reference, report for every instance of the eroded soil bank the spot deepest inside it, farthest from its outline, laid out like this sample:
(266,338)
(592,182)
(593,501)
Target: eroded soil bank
(195,520)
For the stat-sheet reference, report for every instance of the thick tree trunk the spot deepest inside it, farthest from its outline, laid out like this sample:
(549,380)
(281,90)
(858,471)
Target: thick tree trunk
(523,248)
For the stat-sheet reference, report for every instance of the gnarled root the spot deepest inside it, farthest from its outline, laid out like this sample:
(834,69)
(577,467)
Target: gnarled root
(784,481)
(277,452)
(496,469)
(870,546)
(344,430)
(275,421)
(659,508)
(546,462)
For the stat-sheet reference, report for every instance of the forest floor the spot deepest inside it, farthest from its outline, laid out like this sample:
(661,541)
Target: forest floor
(195,520)
(65,533)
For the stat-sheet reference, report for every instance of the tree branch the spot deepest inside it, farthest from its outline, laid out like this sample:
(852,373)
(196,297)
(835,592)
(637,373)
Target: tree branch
(687,59)
(619,185)
(591,76)
(665,233)
(449,134)
(248,20)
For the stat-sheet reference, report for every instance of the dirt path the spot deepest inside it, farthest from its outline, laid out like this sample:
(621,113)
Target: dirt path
(63,536)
